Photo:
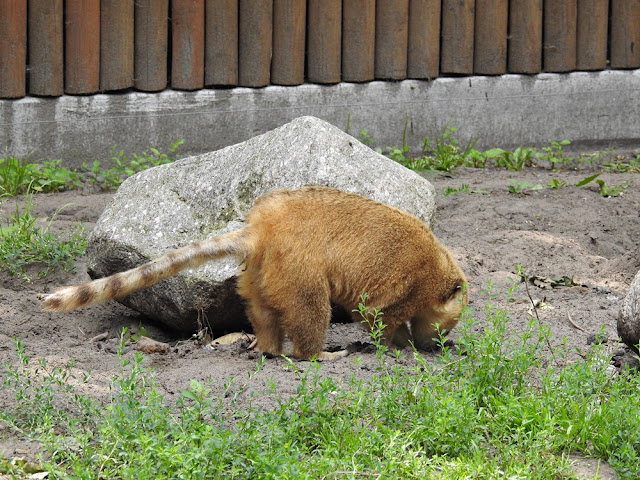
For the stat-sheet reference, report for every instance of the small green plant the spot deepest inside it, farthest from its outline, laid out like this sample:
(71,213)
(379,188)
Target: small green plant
(53,178)
(611,190)
(452,190)
(19,175)
(23,242)
(554,153)
(444,152)
(605,190)
(587,180)
(373,318)
(366,138)
(476,159)
(465,188)
(555,183)
(622,164)
(520,187)
(513,160)
(123,166)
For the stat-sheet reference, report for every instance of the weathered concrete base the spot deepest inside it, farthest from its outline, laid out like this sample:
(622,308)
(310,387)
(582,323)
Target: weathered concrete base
(594,109)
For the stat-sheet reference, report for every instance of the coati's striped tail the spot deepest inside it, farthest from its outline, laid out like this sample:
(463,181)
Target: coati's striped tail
(121,284)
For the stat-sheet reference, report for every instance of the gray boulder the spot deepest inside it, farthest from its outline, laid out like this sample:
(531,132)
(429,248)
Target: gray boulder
(629,316)
(208,195)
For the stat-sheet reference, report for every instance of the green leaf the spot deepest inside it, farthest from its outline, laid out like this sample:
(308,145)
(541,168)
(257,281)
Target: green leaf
(587,180)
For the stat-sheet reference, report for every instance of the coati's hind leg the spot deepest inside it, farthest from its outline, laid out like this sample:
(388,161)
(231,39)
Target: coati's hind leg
(306,319)
(266,327)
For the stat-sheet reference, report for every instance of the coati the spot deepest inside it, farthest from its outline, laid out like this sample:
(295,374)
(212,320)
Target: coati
(304,248)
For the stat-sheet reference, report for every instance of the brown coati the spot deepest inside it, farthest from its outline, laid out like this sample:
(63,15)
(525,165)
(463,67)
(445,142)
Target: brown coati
(304,248)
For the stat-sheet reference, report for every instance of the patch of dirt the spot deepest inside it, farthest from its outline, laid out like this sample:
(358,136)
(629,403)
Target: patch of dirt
(566,232)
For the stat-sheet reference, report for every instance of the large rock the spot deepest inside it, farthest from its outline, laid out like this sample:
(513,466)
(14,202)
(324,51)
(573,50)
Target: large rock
(629,316)
(210,194)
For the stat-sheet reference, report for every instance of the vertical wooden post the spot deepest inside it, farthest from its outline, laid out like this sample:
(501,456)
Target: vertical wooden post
(423,52)
(116,44)
(525,36)
(221,37)
(490,44)
(458,18)
(151,44)
(559,52)
(289,24)
(625,33)
(82,46)
(187,58)
(591,41)
(13,48)
(46,47)
(358,40)
(255,30)
(324,43)
(392,37)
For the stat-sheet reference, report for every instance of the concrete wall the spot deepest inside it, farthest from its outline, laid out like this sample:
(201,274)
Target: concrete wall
(593,110)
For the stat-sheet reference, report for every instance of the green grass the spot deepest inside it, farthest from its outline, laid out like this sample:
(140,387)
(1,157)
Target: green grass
(123,166)
(24,242)
(21,175)
(445,153)
(489,408)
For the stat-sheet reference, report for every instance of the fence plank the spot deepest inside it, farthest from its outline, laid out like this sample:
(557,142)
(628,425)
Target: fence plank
(187,34)
(116,44)
(289,23)
(46,47)
(151,44)
(525,36)
(13,48)
(490,42)
(82,46)
(221,40)
(358,40)
(625,33)
(591,39)
(324,41)
(255,30)
(559,48)
(457,36)
(392,37)
(423,49)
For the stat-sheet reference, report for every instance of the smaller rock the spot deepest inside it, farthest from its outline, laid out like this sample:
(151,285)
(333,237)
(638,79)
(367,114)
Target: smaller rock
(629,316)
(597,339)
(148,345)
(99,338)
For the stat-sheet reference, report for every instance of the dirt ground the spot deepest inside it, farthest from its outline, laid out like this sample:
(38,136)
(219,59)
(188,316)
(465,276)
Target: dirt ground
(570,231)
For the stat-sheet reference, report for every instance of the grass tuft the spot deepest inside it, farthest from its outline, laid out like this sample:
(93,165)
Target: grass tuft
(492,407)
(23,243)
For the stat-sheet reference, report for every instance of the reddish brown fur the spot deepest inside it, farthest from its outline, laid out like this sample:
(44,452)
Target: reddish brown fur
(306,247)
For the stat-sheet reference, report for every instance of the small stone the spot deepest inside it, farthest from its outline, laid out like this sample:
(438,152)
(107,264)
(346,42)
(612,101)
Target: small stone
(597,338)
(629,316)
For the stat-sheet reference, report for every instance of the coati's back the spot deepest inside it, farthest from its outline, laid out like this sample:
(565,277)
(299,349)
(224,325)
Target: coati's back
(361,244)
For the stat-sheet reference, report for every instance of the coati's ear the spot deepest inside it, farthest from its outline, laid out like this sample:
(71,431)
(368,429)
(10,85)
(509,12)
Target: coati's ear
(460,286)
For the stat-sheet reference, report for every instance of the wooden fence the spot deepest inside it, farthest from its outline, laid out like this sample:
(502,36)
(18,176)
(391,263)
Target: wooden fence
(78,47)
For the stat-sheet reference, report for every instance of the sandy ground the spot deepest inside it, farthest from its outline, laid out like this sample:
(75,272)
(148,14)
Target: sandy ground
(571,231)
